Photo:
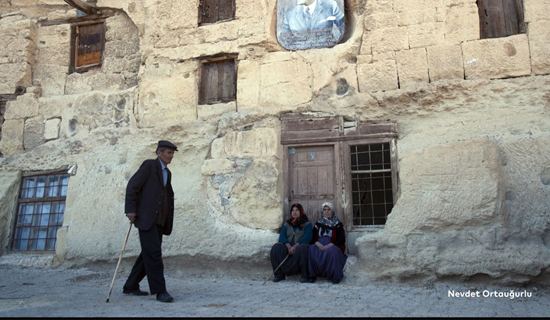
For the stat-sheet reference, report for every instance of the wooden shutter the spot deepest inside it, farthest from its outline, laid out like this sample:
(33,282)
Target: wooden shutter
(218,82)
(88,44)
(500,18)
(211,11)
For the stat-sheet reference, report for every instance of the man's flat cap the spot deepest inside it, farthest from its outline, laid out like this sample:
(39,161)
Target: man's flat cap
(167,144)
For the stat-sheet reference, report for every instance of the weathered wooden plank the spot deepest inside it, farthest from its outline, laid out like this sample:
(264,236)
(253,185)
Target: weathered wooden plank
(312,135)
(208,11)
(226,10)
(372,128)
(227,85)
(305,124)
(511,17)
(491,18)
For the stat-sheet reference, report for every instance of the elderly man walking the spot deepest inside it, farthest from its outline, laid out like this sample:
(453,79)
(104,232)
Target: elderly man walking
(150,207)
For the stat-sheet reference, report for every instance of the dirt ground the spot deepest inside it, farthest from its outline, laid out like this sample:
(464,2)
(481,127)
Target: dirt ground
(82,292)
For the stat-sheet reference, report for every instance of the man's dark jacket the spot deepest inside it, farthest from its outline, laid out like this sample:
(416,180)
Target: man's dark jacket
(144,194)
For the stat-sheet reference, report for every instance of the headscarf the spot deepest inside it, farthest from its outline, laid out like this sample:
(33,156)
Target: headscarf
(298,222)
(328,222)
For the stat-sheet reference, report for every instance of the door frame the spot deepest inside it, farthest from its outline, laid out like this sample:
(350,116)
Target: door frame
(338,177)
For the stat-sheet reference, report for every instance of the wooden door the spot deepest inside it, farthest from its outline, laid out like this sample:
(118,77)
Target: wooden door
(311,178)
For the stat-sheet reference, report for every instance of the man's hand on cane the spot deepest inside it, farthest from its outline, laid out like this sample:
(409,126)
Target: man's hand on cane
(131,216)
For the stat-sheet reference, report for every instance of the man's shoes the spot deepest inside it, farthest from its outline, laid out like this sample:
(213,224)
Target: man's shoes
(135,292)
(304,280)
(311,279)
(277,279)
(164,297)
(336,281)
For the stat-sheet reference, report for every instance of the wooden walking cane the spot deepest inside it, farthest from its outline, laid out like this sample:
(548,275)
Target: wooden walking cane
(288,255)
(119,259)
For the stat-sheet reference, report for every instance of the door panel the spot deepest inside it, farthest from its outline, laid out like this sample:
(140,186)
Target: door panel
(311,178)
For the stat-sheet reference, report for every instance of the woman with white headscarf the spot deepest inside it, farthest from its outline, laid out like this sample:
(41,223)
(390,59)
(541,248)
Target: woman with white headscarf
(326,257)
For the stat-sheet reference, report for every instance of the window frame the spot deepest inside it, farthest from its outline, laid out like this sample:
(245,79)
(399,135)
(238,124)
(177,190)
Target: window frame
(74,45)
(205,91)
(34,200)
(348,201)
(305,131)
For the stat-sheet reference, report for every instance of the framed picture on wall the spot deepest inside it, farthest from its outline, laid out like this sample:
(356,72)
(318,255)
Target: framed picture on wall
(306,24)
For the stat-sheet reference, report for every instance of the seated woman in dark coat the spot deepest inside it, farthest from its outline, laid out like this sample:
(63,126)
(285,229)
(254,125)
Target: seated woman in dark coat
(293,242)
(326,257)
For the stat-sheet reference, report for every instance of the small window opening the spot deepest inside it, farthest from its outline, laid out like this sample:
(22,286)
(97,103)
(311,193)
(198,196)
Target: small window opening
(87,46)
(218,82)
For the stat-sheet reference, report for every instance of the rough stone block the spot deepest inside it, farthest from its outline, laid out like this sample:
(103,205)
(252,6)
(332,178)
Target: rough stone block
(13,75)
(259,142)
(216,166)
(461,23)
(374,6)
(380,20)
(248,85)
(412,17)
(33,135)
(51,130)
(217,149)
(212,111)
(406,5)
(258,188)
(376,76)
(386,39)
(162,99)
(54,45)
(26,106)
(412,67)
(426,34)
(539,44)
(290,77)
(52,107)
(9,186)
(445,62)
(497,58)
(536,10)
(12,136)
(52,79)
(93,80)
(464,189)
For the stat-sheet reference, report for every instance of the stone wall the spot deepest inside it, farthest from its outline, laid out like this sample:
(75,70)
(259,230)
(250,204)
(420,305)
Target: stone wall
(472,115)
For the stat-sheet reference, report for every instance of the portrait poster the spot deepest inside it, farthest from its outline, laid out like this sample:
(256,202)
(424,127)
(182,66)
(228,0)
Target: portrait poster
(306,24)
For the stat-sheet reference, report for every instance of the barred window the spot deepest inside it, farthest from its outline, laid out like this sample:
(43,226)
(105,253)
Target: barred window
(371,183)
(40,211)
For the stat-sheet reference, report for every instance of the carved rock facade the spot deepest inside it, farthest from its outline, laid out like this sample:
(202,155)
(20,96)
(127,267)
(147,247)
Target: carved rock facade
(473,157)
